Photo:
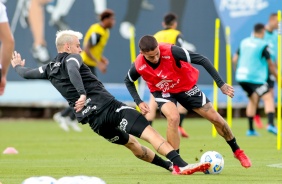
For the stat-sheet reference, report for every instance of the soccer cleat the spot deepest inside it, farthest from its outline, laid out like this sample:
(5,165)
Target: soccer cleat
(182,132)
(61,121)
(191,168)
(73,124)
(243,158)
(252,133)
(171,166)
(41,54)
(272,129)
(258,121)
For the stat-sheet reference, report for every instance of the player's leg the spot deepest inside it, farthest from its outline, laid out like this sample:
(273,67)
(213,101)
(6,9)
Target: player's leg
(208,112)
(196,100)
(58,11)
(269,108)
(36,21)
(167,106)
(141,129)
(253,97)
(72,122)
(250,113)
(170,111)
(182,112)
(153,108)
(140,151)
(116,125)
(61,120)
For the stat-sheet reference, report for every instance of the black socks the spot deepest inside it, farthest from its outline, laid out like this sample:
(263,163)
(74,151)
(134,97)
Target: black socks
(175,158)
(233,144)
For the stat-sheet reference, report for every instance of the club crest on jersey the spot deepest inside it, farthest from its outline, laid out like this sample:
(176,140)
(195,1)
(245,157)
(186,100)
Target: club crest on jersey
(55,64)
(142,67)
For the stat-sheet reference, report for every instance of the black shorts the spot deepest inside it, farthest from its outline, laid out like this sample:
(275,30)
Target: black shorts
(251,88)
(191,99)
(270,81)
(117,121)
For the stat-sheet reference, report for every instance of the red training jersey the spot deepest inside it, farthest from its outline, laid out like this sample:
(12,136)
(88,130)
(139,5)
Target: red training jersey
(167,77)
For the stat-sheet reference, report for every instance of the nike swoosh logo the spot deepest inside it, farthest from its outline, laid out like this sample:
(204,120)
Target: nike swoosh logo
(159,73)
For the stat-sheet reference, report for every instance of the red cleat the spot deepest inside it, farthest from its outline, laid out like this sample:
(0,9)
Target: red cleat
(258,121)
(243,158)
(191,168)
(182,132)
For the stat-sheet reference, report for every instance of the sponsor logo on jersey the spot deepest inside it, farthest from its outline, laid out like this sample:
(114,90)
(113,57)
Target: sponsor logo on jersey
(114,139)
(143,67)
(159,73)
(193,91)
(87,101)
(165,57)
(88,108)
(165,85)
(55,64)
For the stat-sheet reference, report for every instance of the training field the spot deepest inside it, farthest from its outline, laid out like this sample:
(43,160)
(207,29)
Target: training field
(45,149)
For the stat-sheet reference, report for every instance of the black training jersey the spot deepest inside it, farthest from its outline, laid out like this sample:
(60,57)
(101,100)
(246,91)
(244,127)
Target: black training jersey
(71,77)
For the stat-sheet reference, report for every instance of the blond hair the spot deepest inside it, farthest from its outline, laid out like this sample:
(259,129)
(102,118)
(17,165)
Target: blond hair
(66,36)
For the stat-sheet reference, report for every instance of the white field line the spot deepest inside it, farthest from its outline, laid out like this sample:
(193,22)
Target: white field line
(275,165)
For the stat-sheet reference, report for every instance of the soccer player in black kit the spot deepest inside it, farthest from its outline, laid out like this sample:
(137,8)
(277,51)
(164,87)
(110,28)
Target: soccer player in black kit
(93,104)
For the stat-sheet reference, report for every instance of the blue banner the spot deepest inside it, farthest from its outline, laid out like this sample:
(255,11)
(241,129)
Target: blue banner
(242,15)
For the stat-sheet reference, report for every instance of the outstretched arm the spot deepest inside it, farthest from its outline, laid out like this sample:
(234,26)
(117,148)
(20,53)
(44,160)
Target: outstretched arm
(181,54)
(24,72)
(7,47)
(73,63)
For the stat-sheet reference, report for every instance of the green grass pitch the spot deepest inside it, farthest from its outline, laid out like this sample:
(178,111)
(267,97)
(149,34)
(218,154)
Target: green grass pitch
(46,150)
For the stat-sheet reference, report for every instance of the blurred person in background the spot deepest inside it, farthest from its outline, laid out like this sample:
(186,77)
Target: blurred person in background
(7,47)
(270,36)
(94,105)
(36,20)
(171,35)
(172,79)
(94,43)
(252,63)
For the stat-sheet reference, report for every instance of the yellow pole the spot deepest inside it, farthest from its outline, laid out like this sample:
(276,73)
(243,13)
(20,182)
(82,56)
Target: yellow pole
(216,61)
(228,74)
(279,82)
(133,53)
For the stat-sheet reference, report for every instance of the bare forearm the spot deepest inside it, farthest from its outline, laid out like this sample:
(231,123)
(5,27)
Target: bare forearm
(7,49)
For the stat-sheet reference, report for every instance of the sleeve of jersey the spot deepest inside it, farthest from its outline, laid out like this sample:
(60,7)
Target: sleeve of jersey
(206,63)
(266,53)
(95,38)
(181,54)
(132,76)
(31,73)
(73,64)
(179,40)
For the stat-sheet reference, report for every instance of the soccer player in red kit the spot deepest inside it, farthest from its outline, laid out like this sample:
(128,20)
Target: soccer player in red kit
(171,78)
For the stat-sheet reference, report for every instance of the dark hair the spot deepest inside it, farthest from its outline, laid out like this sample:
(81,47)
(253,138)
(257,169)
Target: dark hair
(106,14)
(272,15)
(148,43)
(258,28)
(169,19)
